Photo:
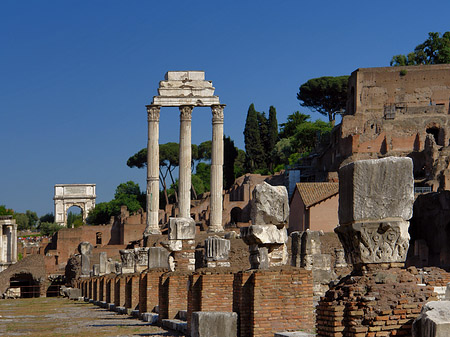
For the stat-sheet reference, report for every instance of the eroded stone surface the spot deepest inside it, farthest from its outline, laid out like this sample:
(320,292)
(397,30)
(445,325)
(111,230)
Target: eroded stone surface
(376,189)
(181,229)
(433,321)
(264,235)
(375,242)
(270,205)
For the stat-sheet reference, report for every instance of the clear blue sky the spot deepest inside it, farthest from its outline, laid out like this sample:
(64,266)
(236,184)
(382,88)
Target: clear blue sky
(75,76)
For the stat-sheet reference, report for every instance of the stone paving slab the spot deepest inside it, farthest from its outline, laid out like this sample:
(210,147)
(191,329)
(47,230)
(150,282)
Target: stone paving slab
(63,317)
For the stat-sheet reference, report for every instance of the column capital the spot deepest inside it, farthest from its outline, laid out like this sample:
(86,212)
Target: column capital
(217,112)
(153,113)
(186,112)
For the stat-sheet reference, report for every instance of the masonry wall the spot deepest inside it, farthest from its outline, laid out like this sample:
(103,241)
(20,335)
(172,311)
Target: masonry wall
(149,290)
(172,294)
(210,291)
(273,301)
(297,216)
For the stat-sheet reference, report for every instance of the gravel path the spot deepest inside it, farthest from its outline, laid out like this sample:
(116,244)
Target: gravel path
(61,317)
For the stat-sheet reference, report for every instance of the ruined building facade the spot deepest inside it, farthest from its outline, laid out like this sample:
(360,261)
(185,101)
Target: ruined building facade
(401,111)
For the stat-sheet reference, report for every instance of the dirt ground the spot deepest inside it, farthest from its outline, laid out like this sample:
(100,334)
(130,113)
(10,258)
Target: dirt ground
(62,317)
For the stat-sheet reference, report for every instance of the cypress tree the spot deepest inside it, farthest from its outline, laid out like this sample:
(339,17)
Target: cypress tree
(230,153)
(272,137)
(252,140)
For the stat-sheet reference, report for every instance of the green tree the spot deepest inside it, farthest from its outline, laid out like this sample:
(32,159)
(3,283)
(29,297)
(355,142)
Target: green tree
(32,218)
(252,139)
(434,50)
(49,228)
(272,136)
(49,217)
(288,129)
(240,163)
(230,152)
(309,135)
(5,211)
(127,194)
(22,220)
(327,95)
(74,220)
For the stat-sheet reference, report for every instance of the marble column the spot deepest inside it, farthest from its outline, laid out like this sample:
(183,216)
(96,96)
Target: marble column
(215,220)
(152,171)
(184,183)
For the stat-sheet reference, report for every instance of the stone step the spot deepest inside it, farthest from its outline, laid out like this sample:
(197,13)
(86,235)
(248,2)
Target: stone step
(294,334)
(150,317)
(182,315)
(175,324)
(135,313)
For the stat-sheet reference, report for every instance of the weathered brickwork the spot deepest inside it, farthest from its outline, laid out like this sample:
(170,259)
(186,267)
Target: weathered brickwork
(132,291)
(149,290)
(119,291)
(210,291)
(272,301)
(172,294)
(379,303)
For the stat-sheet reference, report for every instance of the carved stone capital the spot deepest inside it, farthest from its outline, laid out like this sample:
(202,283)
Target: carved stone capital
(217,112)
(186,112)
(383,241)
(153,113)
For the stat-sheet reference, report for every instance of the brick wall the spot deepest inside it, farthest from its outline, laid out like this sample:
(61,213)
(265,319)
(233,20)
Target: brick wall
(149,290)
(273,300)
(376,304)
(132,291)
(210,291)
(110,285)
(172,294)
(119,291)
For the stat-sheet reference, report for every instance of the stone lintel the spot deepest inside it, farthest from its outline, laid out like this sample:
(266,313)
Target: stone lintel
(180,101)
(193,75)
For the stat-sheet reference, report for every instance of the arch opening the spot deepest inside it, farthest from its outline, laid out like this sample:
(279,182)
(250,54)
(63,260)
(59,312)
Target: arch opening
(74,216)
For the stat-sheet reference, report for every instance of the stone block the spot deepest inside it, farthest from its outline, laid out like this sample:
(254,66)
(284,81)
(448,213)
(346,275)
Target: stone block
(376,189)
(433,321)
(213,323)
(294,334)
(141,256)
(85,249)
(264,235)
(158,257)
(375,242)
(270,205)
(191,75)
(102,263)
(259,257)
(181,229)
(216,249)
(95,269)
(128,260)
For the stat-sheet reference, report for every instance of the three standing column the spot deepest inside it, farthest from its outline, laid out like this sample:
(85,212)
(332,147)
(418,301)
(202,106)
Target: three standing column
(215,220)
(153,171)
(184,183)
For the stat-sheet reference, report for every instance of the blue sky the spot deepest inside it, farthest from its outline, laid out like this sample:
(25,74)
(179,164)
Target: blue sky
(75,76)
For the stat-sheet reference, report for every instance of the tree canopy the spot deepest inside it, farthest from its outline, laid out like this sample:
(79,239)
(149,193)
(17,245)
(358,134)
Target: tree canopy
(434,50)
(327,95)
(128,194)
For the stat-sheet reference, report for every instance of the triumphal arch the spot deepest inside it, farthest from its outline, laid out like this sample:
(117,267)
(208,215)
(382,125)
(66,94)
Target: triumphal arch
(68,195)
(185,90)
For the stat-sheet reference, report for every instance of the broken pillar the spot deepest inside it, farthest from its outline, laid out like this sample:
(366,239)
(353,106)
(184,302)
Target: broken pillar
(158,257)
(181,244)
(216,252)
(128,260)
(85,249)
(141,259)
(103,260)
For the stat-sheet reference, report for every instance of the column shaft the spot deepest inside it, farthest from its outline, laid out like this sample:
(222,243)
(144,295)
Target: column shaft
(215,220)
(184,183)
(153,171)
